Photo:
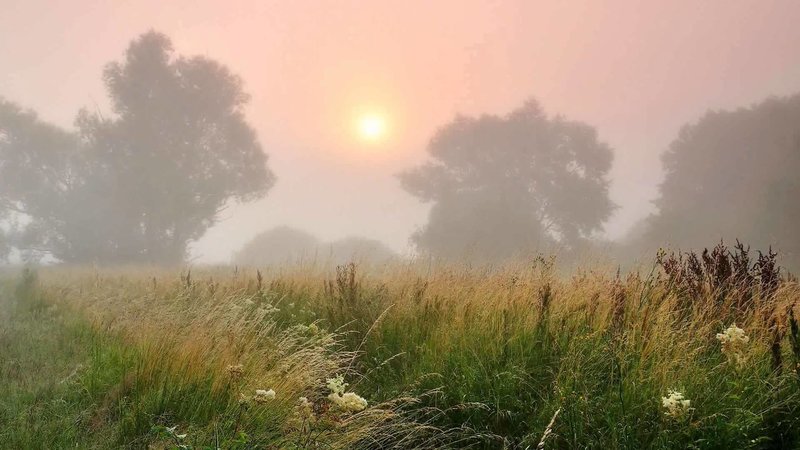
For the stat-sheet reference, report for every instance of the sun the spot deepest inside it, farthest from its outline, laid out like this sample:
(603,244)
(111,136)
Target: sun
(371,127)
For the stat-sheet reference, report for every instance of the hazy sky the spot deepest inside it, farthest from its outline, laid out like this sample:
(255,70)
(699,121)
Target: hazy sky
(636,70)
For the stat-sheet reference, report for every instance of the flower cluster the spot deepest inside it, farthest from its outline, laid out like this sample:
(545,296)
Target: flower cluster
(347,401)
(675,404)
(263,396)
(733,341)
(337,384)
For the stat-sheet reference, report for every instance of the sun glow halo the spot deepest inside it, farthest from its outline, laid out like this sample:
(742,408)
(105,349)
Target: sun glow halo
(371,127)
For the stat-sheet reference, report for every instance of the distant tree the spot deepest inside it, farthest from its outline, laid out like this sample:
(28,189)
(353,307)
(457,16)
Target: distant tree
(282,245)
(359,250)
(141,184)
(39,171)
(734,174)
(512,185)
(279,245)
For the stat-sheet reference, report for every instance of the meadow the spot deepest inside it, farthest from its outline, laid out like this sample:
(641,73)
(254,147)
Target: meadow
(689,351)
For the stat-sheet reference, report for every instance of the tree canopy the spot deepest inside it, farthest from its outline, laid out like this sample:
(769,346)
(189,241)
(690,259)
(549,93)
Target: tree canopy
(283,244)
(140,184)
(359,250)
(733,175)
(511,185)
(39,172)
(276,246)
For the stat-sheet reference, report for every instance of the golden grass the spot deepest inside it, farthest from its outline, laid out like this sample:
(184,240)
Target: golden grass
(190,327)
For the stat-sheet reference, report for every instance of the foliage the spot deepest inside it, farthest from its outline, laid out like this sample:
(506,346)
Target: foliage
(279,245)
(732,174)
(504,186)
(722,272)
(137,186)
(38,164)
(55,373)
(362,250)
(448,356)
(202,365)
(286,245)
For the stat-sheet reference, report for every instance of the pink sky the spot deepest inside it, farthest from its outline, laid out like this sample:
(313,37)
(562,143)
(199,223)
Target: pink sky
(635,70)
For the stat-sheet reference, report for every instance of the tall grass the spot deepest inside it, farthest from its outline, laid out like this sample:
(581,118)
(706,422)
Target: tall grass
(201,351)
(514,357)
(54,370)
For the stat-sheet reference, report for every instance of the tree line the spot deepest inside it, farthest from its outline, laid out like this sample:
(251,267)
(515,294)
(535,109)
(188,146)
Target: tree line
(140,184)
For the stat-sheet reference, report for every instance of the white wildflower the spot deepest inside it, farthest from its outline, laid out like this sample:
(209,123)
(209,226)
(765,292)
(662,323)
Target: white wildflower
(733,336)
(675,404)
(733,341)
(349,401)
(263,396)
(337,384)
(353,401)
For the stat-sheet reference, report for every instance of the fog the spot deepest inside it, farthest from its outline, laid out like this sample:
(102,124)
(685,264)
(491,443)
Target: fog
(634,72)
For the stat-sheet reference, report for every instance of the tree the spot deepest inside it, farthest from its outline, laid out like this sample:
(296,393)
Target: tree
(38,164)
(359,250)
(279,245)
(512,185)
(138,186)
(733,175)
(282,245)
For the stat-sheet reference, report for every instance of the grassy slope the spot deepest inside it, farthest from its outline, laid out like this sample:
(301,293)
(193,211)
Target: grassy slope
(73,378)
(54,373)
(505,350)
(519,345)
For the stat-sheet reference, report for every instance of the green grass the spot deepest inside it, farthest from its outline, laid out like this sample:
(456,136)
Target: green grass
(54,375)
(448,358)
(73,379)
(504,365)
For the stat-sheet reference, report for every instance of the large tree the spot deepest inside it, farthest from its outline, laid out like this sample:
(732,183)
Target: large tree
(512,185)
(142,183)
(734,174)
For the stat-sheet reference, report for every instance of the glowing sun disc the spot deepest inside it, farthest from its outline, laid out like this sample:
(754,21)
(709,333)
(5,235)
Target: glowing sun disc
(371,127)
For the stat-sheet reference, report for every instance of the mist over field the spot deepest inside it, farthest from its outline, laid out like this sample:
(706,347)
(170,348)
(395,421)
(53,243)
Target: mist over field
(619,84)
(399,225)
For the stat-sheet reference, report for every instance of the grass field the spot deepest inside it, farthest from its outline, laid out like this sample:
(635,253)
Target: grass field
(515,357)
